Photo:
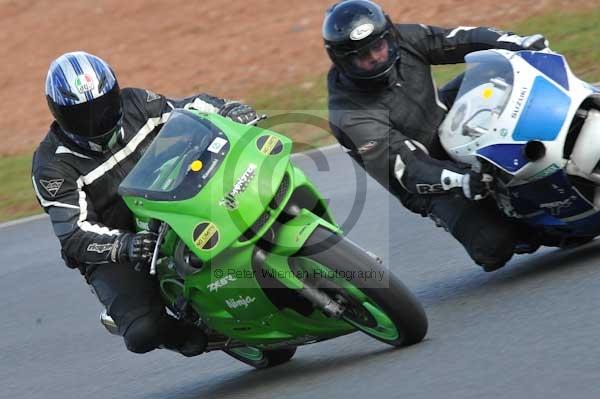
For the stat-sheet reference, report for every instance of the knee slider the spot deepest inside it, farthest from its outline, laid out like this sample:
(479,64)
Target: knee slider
(143,334)
(491,253)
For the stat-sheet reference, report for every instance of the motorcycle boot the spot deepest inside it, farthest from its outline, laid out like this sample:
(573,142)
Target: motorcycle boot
(185,339)
(526,247)
(527,240)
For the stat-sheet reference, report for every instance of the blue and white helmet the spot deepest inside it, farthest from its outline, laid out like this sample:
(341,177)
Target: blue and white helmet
(84,97)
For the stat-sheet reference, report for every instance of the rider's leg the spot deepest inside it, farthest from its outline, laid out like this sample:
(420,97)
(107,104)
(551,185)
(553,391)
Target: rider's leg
(133,300)
(488,236)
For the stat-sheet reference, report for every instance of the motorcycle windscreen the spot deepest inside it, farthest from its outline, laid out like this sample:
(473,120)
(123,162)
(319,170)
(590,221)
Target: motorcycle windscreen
(484,92)
(183,157)
(484,67)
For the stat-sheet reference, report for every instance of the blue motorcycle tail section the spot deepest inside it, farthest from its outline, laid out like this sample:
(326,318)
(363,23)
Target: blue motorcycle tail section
(544,113)
(552,65)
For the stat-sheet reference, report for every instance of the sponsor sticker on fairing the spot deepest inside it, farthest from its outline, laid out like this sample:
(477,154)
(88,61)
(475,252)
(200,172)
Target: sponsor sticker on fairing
(234,303)
(217,145)
(269,145)
(215,285)
(230,200)
(555,208)
(211,168)
(518,106)
(550,170)
(206,236)
(196,166)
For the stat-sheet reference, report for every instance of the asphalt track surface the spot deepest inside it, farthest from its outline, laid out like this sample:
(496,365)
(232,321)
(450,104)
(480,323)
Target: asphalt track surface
(529,330)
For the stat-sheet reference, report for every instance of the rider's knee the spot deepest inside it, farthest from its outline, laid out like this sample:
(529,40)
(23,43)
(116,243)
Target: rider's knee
(143,334)
(491,253)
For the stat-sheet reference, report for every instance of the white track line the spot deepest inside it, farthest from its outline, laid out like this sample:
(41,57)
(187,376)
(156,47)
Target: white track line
(23,220)
(320,149)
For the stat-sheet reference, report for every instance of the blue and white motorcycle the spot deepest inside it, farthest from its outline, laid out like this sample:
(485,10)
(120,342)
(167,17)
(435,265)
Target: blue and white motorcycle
(527,119)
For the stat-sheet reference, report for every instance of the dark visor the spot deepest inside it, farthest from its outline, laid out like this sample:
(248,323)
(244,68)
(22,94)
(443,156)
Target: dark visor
(92,118)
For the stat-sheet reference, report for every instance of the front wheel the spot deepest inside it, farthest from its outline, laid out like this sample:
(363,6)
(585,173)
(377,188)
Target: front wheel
(375,301)
(261,359)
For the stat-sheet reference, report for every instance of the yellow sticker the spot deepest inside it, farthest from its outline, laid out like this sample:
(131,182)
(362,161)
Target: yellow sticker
(196,166)
(269,145)
(488,93)
(206,235)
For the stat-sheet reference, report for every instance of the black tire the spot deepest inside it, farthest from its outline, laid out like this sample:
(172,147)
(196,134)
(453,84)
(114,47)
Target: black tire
(388,293)
(269,358)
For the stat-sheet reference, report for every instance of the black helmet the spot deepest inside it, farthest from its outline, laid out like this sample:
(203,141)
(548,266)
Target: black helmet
(84,98)
(360,39)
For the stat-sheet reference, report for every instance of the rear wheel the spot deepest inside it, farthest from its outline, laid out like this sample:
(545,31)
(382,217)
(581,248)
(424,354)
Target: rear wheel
(375,301)
(261,359)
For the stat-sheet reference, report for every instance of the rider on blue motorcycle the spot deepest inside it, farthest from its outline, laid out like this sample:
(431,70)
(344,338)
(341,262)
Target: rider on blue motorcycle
(385,110)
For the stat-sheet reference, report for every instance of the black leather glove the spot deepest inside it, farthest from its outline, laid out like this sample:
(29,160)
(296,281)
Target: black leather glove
(134,248)
(238,112)
(535,42)
(474,186)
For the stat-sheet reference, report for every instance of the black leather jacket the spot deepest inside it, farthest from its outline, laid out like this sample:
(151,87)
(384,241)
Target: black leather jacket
(78,189)
(374,120)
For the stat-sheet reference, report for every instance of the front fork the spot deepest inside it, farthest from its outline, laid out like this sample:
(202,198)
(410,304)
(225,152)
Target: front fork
(323,301)
(290,239)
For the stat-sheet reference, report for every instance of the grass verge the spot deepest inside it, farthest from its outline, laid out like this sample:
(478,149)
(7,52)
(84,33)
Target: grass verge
(574,35)
(16,198)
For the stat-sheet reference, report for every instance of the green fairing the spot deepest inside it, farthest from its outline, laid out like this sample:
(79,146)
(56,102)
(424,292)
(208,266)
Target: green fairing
(236,306)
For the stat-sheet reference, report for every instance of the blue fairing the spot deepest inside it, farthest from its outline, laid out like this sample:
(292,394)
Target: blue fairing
(586,226)
(507,156)
(544,113)
(553,203)
(552,65)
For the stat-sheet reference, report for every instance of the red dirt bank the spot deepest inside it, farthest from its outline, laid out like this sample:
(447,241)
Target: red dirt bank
(181,47)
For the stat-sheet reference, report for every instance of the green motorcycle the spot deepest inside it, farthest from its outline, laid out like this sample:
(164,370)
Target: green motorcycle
(248,249)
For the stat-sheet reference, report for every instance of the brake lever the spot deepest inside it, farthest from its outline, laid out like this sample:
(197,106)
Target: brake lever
(162,230)
(259,118)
